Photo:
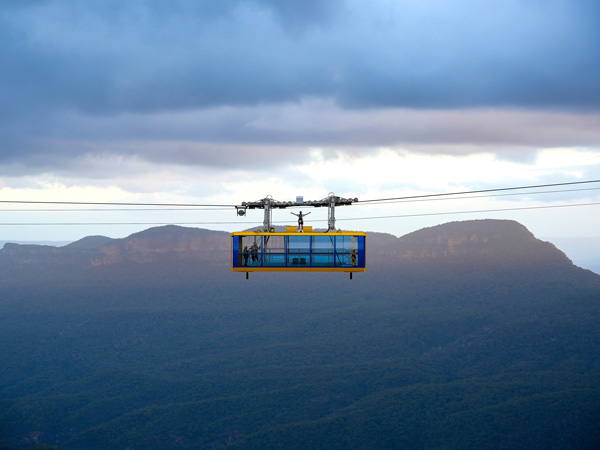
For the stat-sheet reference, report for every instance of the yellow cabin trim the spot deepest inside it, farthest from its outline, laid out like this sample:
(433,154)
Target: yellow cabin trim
(307,231)
(285,265)
(298,269)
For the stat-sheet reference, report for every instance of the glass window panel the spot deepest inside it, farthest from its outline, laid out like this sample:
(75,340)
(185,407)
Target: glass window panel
(274,260)
(322,260)
(322,244)
(250,250)
(346,243)
(347,251)
(299,244)
(274,244)
(342,260)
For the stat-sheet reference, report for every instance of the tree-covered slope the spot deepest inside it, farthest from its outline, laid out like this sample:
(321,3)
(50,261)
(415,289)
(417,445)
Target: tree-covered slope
(461,349)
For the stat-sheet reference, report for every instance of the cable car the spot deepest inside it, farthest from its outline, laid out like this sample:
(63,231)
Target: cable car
(298,249)
(293,251)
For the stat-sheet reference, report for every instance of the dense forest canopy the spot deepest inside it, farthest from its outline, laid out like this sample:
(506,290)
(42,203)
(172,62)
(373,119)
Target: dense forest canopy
(469,335)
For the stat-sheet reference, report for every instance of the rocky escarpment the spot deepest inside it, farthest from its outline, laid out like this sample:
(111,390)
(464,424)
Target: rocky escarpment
(500,241)
(162,243)
(158,243)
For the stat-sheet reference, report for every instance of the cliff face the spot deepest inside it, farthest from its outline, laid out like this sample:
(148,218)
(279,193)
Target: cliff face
(476,237)
(155,244)
(501,241)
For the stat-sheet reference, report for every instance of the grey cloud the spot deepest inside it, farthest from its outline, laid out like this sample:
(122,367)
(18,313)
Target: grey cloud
(279,135)
(313,123)
(244,83)
(147,56)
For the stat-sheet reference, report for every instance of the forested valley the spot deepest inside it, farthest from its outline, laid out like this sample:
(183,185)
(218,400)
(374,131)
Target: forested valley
(489,341)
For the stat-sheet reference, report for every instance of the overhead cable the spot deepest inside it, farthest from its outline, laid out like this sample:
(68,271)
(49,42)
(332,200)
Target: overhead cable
(188,205)
(479,211)
(193,205)
(478,191)
(474,211)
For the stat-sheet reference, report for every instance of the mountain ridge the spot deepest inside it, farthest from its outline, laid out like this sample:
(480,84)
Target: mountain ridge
(502,241)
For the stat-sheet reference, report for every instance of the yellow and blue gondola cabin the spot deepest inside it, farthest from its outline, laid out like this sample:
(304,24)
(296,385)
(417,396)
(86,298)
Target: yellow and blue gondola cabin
(293,251)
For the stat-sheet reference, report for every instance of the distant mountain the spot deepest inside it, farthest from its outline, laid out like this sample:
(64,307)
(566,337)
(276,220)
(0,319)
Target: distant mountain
(494,241)
(152,245)
(472,238)
(90,242)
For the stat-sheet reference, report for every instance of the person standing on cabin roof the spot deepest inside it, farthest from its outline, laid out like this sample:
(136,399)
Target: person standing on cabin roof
(300,221)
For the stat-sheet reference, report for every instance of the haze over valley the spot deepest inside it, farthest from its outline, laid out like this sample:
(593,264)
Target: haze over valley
(467,335)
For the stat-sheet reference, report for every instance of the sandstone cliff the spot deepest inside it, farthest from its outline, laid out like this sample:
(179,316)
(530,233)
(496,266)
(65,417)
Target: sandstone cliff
(155,244)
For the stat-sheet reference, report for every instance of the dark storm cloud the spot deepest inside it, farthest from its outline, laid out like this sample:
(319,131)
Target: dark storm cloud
(111,56)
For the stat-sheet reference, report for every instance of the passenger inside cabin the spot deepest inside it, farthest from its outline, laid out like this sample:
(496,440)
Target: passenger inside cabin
(254,251)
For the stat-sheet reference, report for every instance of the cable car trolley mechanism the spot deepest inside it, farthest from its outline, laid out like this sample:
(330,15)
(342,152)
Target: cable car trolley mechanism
(298,248)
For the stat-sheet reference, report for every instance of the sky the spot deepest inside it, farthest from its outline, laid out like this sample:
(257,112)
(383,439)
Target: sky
(217,103)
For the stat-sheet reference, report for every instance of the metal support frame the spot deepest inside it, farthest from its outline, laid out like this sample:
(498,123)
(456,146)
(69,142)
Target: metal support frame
(267,203)
(331,212)
(268,214)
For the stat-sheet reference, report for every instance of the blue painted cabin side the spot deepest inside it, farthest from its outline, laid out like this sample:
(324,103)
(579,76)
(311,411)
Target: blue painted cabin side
(320,252)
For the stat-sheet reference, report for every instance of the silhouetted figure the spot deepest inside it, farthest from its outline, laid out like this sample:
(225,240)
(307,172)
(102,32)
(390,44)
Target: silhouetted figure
(300,221)
(246,254)
(254,251)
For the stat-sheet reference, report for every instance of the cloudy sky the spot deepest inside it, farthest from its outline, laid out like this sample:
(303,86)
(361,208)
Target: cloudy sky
(220,102)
